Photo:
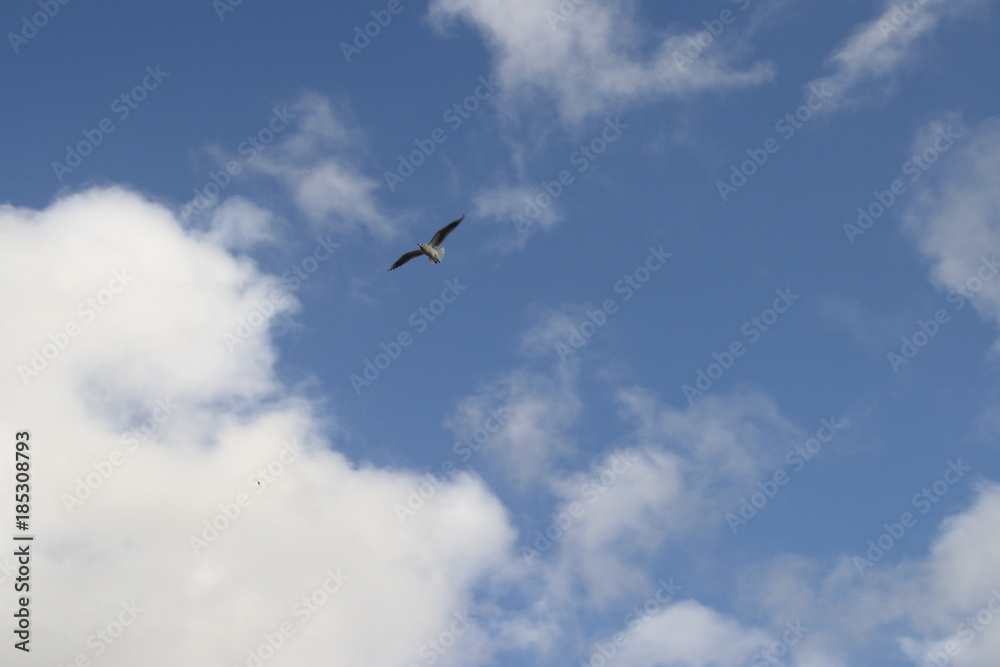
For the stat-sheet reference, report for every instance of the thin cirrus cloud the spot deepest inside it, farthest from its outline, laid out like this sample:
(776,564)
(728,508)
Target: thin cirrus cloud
(866,66)
(587,64)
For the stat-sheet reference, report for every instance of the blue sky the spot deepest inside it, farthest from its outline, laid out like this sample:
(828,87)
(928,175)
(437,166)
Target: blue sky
(721,319)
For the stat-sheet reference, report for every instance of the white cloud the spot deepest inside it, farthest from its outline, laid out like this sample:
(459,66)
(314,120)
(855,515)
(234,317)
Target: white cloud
(950,595)
(313,162)
(965,556)
(955,216)
(945,605)
(661,482)
(630,502)
(239,224)
(222,417)
(502,202)
(664,481)
(589,63)
(314,155)
(963,588)
(127,296)
(689,634)
(907,607)
(539,410)
(158,340)
(332,187)
(735,437)
(552,328)
(954,221)
(868,62)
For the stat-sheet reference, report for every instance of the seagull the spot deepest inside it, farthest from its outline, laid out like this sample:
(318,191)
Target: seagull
(433,250)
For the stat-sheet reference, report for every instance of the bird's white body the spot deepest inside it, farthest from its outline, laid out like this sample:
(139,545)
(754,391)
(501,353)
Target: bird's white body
(433,254)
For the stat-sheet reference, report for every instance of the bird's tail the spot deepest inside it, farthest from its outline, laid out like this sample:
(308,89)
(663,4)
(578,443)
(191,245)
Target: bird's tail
(440,252)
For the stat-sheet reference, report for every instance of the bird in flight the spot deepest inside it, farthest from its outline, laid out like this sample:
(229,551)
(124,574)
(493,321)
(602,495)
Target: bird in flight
(433,250)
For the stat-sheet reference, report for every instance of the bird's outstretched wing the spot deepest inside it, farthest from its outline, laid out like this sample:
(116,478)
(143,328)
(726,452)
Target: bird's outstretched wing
(442,233)
(406,258)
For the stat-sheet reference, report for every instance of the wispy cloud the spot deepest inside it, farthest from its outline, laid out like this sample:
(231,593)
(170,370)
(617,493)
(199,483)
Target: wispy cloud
(238,223)
(542,410)
(316,162)
(955,216)
(587,61)
(509,205)
(866,66)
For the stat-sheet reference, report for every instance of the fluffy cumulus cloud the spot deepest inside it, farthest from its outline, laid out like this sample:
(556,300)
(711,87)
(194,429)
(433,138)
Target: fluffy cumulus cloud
(962,624)
(654,487)
(615,515)
(866,65)
(669,479)
(654,492)
(188,509)
(693,636)
(587,58)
